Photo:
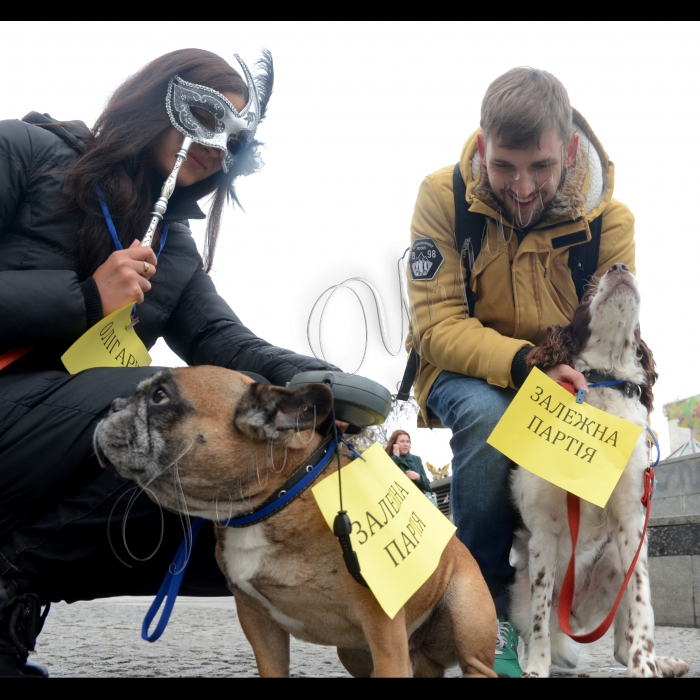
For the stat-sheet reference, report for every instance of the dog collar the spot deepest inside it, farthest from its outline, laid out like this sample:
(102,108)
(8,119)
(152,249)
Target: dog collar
(301,478)
(596,378)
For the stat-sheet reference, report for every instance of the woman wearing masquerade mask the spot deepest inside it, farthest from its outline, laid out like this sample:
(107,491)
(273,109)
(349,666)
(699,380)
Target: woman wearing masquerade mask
(74,206)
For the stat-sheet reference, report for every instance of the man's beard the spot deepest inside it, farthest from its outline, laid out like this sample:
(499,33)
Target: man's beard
(540,207)
(520,218)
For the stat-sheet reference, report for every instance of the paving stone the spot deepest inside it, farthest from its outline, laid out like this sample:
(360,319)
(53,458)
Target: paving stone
(204,639)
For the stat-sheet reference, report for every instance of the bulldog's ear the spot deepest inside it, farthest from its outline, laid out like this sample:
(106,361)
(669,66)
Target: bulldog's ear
(271,413)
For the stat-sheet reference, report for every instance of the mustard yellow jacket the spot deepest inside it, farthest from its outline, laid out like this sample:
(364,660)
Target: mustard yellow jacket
(521,288)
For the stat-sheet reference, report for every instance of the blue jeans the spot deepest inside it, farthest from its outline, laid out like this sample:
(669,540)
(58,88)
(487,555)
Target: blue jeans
(481,504)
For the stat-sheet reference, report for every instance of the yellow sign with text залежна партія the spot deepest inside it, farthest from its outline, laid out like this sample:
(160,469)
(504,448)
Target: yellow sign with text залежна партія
(397,533)
(109,343)
(575,446)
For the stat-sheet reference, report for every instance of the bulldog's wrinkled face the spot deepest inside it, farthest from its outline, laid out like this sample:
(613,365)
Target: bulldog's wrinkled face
(205,439)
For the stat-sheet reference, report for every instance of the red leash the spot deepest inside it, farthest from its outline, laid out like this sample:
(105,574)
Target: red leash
(7,358)
(573,506)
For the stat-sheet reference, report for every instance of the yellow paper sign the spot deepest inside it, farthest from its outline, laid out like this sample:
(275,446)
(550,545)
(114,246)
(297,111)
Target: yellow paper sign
(108,344)
(574,446)
(397,533)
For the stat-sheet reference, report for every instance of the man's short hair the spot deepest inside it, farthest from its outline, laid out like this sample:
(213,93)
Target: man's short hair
(522,105)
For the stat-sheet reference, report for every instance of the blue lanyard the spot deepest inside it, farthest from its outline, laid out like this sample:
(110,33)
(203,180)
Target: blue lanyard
(113,230)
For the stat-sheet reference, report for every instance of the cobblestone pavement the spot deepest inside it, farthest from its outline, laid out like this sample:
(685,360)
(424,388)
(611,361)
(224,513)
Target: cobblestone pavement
(102,639)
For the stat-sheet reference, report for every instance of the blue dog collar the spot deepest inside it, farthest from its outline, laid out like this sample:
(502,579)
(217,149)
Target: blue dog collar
(300,480)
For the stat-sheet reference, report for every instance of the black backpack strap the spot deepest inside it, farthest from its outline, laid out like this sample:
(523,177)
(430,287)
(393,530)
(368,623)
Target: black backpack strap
(469,226)
(583,259)
(409,375)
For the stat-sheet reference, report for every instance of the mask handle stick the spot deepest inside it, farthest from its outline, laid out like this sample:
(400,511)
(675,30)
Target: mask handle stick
(161,205)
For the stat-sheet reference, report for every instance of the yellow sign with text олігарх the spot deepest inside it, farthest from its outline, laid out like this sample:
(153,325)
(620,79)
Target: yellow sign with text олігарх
(109,343)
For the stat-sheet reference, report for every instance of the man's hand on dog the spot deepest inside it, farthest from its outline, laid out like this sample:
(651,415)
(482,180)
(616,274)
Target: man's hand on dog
(564,373)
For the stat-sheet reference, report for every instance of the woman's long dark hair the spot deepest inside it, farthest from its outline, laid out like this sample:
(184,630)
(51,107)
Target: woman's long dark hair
(117,155)
(392,441)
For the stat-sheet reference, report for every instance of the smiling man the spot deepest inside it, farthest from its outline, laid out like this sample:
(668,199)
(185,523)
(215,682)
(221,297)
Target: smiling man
(502,246)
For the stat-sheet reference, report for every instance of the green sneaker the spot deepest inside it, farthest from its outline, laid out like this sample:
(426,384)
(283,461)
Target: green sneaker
(506,664)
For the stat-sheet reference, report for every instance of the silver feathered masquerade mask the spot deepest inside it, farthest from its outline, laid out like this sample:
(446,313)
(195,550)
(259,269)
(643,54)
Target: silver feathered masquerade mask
(233,132)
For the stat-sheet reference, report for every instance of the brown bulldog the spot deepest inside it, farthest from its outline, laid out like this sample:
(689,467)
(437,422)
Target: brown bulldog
(215,444)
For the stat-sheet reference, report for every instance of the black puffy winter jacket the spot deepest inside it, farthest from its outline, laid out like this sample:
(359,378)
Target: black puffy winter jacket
(44,303)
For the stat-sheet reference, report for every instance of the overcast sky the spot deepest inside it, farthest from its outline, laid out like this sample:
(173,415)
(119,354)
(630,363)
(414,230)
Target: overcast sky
(360,114)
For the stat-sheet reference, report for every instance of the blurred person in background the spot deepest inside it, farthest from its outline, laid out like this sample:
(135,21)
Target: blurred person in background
(399,449)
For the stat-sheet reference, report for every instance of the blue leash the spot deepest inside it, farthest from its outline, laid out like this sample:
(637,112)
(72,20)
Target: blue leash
(176,571)
(171,584)
(113,230)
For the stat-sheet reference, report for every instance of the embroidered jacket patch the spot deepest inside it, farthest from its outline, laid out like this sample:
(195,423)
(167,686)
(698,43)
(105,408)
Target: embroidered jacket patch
(426,260)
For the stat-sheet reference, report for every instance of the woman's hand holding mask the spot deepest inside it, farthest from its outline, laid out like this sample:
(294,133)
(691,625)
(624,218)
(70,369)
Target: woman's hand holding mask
(124,277)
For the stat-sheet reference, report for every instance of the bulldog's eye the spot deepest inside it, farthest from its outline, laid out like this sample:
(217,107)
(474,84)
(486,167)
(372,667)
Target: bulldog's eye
(160,396)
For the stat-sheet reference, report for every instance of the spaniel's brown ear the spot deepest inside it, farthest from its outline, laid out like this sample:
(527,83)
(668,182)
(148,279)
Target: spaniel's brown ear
(560,348)
(272,413)
(649,366)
